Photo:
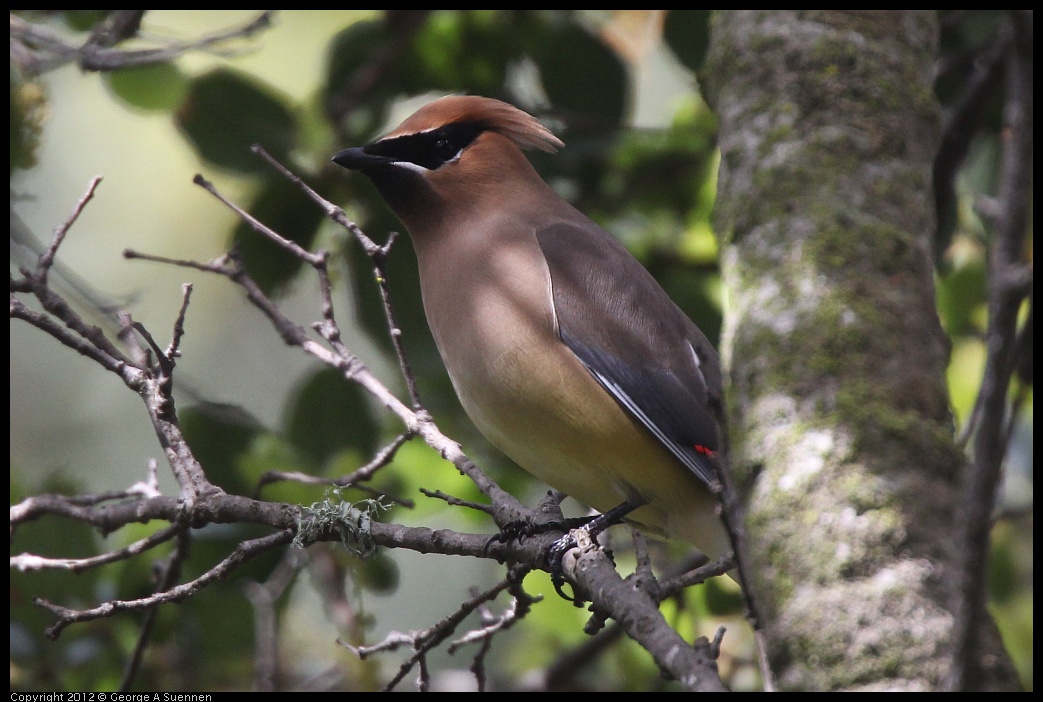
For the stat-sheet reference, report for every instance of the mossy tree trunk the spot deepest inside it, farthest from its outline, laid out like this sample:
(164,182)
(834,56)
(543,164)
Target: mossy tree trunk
(843,441)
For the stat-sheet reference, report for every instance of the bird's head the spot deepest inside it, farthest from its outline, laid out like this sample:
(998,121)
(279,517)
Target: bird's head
(453,152)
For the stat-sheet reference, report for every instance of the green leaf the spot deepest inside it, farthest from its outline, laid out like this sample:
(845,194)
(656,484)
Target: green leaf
(687,33)
(226,113)
(961,295)
(721,597)
(584,78)
(84,20)
(350,53)
(219,434)
(378,573)
(329,414)
(156,87)
(460,51)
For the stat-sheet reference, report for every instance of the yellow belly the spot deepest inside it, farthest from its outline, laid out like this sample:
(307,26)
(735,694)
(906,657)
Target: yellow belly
(555,421)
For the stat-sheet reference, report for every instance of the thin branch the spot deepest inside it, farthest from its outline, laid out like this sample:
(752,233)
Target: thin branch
(262,597)
(130,374)
(1010,283)
(423,642)
(174,349)
(379,259)
(152,385)
(456,501)
(47,259)
(29,562)
(244,552)
(382,458)
(37,283)
(39,49)
(670,587)
(295,249)
(377,255)
(170,574)
(639,615)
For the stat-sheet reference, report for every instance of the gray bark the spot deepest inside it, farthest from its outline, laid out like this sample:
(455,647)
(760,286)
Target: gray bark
(842,438)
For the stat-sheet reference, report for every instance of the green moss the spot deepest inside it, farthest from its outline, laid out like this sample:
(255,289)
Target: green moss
(781,131)
(832,53)
(761,44)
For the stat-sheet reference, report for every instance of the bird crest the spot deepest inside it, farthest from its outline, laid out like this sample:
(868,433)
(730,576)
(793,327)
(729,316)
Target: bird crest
(494,115)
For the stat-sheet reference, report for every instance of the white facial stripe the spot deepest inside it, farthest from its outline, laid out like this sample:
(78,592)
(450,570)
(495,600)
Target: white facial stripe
(410,166)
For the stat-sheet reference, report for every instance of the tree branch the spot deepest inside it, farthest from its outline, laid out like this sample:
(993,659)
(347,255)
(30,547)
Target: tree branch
(38,49)
(1010,284)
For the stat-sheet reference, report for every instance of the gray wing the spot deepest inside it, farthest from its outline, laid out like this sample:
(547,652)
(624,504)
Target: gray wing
(635,341)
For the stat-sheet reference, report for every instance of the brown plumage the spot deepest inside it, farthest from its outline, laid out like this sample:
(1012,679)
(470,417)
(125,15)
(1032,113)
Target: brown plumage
(563,349)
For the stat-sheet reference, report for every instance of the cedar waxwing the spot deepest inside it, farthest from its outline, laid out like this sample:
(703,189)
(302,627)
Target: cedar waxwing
(562,348)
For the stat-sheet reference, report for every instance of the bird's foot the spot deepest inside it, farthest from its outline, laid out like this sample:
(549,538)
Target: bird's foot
(556,555)
(585,536)
(519,529)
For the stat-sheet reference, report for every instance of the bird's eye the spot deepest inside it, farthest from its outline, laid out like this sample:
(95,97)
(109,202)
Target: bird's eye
(445,149)
(429,150)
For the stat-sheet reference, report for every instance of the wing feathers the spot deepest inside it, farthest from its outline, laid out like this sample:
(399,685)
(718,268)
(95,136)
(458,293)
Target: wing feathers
(635,341)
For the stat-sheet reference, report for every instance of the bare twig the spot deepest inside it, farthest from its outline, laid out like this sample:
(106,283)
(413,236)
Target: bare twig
(38,49)
(47,259)
(170,573)
(62,322)
(29,561)
(263,597)
(382,458)
(1010,283)
(423,642)
(379,259)
(713,569)
(244,552)
(456,501)
(378,256)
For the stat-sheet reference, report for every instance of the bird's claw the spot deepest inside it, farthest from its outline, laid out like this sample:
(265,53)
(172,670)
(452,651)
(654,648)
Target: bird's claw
(555,557)
(519,529)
